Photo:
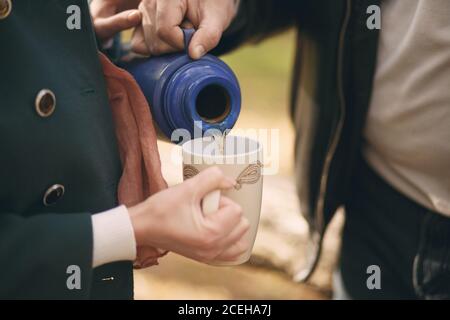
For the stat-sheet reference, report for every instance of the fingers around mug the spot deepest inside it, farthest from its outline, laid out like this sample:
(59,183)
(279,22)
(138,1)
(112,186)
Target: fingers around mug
(169,16)
(225,219)
(209,180)
(233,252)
(237,243)
(237,234)
(225,201)
(210,203)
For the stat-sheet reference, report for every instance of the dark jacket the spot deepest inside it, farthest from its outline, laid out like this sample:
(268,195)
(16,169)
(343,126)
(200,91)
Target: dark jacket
(59,163)
(331,87)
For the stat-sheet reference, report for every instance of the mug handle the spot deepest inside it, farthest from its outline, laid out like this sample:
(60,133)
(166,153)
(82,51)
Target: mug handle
(210,203)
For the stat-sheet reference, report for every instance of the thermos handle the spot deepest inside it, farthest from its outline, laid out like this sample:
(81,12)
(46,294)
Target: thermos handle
(188,33)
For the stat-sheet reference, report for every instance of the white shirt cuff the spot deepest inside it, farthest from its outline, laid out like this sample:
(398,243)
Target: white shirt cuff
(113,237)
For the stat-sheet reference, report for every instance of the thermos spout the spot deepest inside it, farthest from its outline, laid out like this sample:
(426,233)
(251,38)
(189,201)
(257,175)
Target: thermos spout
(213,104)
(188,94)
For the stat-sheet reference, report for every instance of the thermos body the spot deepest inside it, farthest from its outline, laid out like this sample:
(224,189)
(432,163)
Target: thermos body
(185,93)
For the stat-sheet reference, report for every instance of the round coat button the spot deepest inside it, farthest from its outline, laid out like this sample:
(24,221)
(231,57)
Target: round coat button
(53,194)
(5,8)
(45,103)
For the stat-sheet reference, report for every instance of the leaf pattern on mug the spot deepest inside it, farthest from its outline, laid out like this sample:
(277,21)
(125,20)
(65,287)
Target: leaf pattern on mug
(249,175)
(189,171)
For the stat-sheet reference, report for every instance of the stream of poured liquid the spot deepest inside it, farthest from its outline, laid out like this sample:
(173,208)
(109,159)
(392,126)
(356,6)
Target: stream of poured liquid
(220,139)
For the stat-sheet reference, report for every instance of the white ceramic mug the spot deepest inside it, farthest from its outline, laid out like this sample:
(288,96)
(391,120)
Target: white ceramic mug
(242,161)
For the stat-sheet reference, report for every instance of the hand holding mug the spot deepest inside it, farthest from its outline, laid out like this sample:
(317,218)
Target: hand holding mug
(173,220)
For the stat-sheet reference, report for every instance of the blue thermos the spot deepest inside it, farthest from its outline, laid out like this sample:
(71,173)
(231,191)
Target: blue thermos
(184,93)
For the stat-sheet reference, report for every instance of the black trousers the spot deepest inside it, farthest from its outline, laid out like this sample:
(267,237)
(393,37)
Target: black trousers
(407,242)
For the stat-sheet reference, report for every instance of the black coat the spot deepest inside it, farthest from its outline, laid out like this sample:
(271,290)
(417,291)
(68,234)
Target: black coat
(59,161)
(332,83)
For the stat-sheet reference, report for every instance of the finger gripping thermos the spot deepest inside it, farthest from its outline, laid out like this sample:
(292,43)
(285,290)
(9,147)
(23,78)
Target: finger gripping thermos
(185,93)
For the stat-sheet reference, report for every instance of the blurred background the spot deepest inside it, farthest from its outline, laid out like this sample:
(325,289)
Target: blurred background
(264,72)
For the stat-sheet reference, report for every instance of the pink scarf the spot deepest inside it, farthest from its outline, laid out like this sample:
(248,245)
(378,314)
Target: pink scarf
(136,136)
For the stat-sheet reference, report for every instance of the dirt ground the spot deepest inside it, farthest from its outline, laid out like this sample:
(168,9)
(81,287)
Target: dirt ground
(180,278)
